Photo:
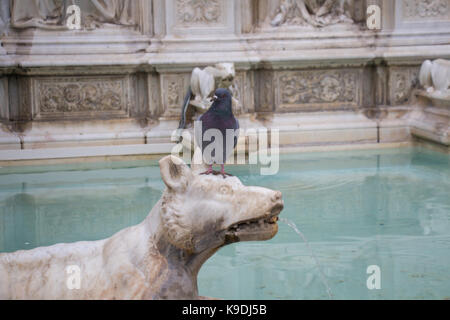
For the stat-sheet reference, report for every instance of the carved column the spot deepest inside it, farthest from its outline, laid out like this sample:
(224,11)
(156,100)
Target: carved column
(4,99)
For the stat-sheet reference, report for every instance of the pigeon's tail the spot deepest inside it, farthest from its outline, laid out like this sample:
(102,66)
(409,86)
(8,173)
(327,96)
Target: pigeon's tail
(183,118)
(184,108)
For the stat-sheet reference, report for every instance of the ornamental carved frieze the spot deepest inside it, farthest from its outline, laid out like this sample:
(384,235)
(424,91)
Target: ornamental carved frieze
(82,97)
(199,12)
(174,89)
(426,10)
(314,13)
(402,81)
(321,89)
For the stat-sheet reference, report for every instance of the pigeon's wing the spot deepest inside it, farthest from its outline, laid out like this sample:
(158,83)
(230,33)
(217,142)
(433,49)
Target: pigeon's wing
(229,151)
(184,107)
(198,134)
(236,136)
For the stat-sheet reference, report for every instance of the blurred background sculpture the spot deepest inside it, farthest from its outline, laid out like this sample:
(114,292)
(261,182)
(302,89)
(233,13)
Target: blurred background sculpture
(434,76)
(159,258)
(316,13)
(203,84)
(4,16)
(51,14)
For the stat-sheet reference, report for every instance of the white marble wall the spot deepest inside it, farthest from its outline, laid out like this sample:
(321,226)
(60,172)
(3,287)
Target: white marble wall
(288,60)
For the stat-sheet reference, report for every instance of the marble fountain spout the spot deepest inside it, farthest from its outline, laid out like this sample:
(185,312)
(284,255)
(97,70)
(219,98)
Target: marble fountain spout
(157,259)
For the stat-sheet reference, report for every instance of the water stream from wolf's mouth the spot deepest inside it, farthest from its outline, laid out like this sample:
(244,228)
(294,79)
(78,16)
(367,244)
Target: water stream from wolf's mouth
(292,225)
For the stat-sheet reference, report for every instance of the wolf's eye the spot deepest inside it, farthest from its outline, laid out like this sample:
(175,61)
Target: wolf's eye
(225,190)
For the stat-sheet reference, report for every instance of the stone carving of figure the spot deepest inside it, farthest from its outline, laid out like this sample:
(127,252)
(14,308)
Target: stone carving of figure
(4,21)
(51,14)
(434,77)
(4,16)
(316,13)
(119,12)
(45,14)
(204,82)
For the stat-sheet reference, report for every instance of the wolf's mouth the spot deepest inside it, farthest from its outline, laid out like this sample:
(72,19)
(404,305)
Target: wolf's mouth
(267,223)
(253,224)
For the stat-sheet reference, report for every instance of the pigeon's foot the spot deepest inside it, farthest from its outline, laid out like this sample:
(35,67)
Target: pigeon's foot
(216,173)
(224,174)
(222,171)
(209,171)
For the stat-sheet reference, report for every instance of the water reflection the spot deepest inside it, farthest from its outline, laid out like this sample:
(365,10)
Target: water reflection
(389,208)
(67,207)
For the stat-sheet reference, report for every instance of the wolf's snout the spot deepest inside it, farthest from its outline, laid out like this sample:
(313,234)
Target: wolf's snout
(276,197)
(277,203)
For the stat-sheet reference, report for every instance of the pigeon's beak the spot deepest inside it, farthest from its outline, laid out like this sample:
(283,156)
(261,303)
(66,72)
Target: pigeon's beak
(214,98)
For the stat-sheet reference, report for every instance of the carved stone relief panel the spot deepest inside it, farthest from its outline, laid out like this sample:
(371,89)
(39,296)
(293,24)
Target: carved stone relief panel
(310,13)
(200,16)
(173,89)
(52,14)
(426,10)
(4,17)
(317,89)
(82,97)
(402,80)
(197,13)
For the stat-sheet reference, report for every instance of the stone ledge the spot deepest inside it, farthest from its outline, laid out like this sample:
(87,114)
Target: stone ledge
(79,152)
(321,129)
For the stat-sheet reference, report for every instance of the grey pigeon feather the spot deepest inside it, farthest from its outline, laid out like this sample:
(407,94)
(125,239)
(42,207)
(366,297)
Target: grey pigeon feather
(220,117)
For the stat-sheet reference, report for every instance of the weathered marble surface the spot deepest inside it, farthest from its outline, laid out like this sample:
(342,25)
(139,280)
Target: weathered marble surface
(159,258)
(319,57)
(51,14)
(435,76)
(316,13)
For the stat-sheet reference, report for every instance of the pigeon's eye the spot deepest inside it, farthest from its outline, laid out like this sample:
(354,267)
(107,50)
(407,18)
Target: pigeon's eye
(225,190)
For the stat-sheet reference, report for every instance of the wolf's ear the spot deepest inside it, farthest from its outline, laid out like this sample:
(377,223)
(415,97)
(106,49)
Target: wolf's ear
(175,173)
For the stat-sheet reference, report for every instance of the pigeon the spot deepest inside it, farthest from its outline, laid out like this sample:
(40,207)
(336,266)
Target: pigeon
(219,116)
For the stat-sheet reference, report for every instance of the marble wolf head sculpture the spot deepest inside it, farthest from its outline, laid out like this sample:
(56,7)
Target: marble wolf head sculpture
(157,259)
(208,211)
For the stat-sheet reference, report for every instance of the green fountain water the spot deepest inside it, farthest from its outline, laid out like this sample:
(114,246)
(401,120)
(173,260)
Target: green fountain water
(389,208)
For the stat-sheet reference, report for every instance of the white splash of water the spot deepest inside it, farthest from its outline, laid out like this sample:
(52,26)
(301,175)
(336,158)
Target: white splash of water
(292,225)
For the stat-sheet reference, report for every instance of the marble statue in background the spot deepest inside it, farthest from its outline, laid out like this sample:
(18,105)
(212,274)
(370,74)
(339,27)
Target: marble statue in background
(434,76)
(205,81)
(4,22)
(203,84)
(51,14)
(4,17)
(315,13)
(158,258)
